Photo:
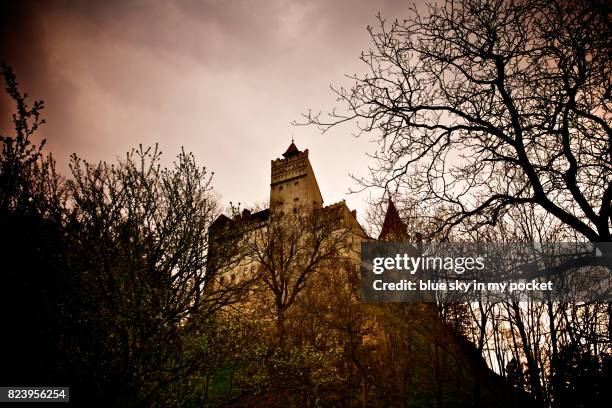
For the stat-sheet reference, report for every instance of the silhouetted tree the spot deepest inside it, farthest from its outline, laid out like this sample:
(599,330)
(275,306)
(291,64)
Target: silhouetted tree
(138,237)
(485,105)
(582,377)
(32,251)
(104,283)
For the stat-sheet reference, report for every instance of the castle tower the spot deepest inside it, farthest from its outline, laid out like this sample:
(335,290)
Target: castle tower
(393,229)
(293,185)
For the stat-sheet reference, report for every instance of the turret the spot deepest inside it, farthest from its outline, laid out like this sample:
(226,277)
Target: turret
(393,229)
(293,185)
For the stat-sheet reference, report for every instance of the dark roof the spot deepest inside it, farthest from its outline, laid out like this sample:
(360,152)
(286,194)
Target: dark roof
(220,221)
(393,229)
(292,150)
(260,216)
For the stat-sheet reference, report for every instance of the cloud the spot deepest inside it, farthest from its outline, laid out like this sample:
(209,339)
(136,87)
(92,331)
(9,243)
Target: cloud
(222,78)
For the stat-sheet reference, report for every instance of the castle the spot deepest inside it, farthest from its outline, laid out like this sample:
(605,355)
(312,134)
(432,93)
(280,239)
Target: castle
(294,191)
(407,339)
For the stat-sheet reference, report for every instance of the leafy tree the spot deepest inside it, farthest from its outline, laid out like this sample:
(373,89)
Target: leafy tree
(32,278)
(104,284)
(138,246)
(582,377)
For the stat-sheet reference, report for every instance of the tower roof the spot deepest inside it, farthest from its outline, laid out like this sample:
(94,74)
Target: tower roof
(393,229)
(292,150)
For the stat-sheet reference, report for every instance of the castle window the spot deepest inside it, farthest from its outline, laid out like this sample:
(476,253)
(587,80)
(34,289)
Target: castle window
(295,210)
(296,199)
(280,188)
(296,183)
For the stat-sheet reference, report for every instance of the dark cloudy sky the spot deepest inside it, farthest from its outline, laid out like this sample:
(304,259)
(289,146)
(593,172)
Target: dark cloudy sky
(224,79)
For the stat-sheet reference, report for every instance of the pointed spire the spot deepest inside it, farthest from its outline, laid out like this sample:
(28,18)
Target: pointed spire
(292,150)
(393,229)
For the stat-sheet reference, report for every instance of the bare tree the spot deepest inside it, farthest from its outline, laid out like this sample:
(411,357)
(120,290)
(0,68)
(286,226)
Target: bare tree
(292,247)
(485,105)
(533,343)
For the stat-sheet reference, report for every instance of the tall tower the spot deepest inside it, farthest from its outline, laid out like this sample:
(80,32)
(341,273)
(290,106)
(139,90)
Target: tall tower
(293,186)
